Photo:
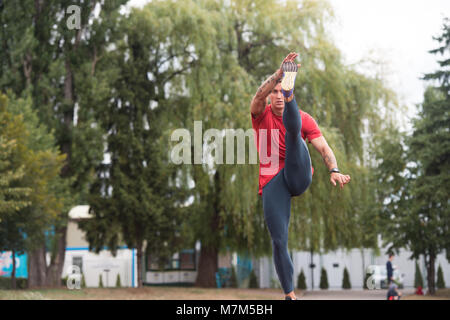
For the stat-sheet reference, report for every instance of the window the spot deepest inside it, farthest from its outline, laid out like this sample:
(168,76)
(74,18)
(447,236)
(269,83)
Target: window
(184,260)
(78,261)
(187,259)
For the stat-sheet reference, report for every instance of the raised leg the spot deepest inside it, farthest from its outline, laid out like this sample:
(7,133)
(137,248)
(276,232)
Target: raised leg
(297,165)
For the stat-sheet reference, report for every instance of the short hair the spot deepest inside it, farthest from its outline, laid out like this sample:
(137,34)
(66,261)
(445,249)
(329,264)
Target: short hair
(391,255)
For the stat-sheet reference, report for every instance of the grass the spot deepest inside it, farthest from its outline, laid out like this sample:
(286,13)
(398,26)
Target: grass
(441,294)
(145,293)
(192,293)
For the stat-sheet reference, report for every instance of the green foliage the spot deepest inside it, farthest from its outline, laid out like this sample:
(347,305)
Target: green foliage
(301,281)
(118,282)
(366,277)
(5,283)
(440,283)
(83,281)
(413,175)
(346,280)
(62,73)
(233,278)
(100,281)
(418,279)
(12,140)
(253,280)
(323,279)
(64,281)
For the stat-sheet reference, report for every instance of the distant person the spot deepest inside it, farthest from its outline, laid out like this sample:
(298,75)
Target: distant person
(390,269)
(419,291)
(393,293)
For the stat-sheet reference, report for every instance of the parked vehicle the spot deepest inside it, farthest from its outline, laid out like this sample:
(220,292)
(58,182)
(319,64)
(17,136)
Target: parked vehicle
(379,276)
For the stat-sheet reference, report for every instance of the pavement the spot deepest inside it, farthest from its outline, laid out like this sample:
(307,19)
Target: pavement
(353,294)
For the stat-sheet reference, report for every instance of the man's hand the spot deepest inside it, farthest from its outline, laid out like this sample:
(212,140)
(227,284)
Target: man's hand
(340,178)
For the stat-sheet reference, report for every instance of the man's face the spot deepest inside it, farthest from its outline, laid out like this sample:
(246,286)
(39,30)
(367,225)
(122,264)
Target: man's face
(277,99)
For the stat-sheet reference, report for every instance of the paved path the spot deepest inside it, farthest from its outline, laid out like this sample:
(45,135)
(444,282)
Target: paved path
(354,294)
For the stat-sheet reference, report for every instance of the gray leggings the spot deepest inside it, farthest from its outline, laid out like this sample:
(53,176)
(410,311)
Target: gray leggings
(291,181)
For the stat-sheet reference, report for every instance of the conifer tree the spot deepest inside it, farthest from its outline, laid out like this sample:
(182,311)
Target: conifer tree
(440,282)
(323,279)
(301,281)
(418,279)
(346,280)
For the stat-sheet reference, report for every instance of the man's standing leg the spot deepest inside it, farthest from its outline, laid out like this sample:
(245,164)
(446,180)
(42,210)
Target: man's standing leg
(277,211)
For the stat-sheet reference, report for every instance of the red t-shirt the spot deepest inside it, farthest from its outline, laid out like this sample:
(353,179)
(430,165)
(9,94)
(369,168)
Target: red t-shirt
(268,155)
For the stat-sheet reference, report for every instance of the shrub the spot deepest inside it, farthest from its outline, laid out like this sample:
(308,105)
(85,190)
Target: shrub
(83,281)
(253,280)
(440,284)
(323,279)
(100,281)
(346,280)
(418,279)
(5,283)
(118,282)
(233,278)
(365,280)
(301,281)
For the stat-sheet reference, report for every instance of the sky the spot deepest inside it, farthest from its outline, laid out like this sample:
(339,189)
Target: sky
(400,33)
(397,32)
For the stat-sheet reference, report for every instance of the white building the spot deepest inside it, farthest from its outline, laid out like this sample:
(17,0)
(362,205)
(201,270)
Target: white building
(92,265)
(354,260)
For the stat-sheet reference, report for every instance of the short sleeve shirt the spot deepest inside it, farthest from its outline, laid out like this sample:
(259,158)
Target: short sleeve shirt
(270,141)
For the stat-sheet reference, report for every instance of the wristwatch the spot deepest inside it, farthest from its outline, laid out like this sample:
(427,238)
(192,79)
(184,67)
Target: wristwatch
(335,170)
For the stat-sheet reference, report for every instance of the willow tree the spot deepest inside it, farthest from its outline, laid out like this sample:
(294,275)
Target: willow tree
(251,41)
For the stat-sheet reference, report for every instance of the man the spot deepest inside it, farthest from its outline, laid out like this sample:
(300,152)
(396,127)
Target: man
(281,129)
(390,269)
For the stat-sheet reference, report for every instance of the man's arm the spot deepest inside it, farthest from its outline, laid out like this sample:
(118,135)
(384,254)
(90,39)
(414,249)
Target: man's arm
(259,100)
(327,154)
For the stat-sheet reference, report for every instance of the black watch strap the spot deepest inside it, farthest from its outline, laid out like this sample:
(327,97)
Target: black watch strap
(335,170)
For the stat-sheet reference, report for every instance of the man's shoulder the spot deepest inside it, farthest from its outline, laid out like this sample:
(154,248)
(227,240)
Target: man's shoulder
(308,122)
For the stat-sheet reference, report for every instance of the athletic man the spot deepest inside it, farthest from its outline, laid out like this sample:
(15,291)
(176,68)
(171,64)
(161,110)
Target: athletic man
(285,165)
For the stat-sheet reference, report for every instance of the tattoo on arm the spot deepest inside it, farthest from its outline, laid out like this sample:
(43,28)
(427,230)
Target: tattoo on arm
(267,86)
(329,159)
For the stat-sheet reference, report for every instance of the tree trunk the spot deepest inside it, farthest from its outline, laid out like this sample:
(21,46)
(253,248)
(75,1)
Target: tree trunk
(431,276)
(209,252)
(37,268)
(207,267)
(139,264)
(55,269)
(13,273)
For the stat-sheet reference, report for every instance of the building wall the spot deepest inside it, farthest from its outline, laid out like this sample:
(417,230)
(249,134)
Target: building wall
(96,265)
(335,262)
(75,236)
